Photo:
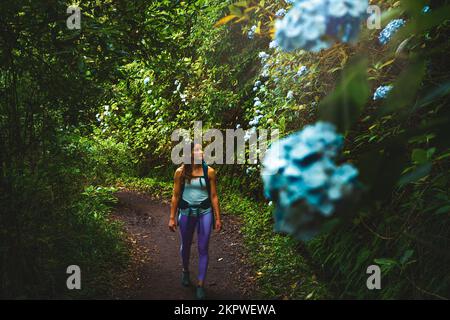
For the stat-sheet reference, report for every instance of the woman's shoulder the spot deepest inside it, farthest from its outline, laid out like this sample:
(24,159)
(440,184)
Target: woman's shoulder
(179,171)
(211,172)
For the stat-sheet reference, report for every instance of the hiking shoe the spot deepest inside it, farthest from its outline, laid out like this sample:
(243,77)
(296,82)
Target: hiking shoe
(200,293)
(185,281)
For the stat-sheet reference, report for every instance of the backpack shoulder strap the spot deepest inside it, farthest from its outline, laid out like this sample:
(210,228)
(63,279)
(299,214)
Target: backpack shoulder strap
(205,173)
(182,190)
(182,187)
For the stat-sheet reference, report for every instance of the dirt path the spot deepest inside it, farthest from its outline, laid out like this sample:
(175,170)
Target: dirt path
(155,272)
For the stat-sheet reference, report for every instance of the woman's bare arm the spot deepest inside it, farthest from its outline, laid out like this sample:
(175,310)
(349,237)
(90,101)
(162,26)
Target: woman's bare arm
(175,197)
(214,197)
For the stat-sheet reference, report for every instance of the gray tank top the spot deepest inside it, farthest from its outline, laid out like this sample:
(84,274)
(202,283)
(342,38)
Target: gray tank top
(194,193)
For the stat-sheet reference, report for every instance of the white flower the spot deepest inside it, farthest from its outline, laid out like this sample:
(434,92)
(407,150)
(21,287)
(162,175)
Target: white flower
(290,95)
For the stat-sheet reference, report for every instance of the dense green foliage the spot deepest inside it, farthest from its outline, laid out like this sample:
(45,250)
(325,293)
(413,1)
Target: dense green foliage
(52,80)
(90,107)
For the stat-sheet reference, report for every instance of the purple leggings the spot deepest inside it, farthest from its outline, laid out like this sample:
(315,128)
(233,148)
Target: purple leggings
(203,223)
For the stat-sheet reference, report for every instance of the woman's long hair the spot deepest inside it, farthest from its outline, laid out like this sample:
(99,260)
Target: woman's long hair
(188,167)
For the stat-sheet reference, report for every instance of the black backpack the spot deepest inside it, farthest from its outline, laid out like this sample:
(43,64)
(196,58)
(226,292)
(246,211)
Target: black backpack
(183,204)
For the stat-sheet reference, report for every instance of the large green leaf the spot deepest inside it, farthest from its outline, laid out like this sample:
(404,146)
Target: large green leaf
(418,173)
(344,105)
(405,88)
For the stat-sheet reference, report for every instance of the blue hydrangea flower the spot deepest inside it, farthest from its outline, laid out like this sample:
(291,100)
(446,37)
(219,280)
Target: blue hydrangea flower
(257,83)
(255,120)
(315,24)
(250,170)
(273,44)
(381,92)
(290,1)
(178,84)
(257,103)
(263,56)
(426,9)
(391,28)
(280,13)
(265,72)
(300,168)
(290,95)
(251,33)
(301,71)
(146,80)
(249,133)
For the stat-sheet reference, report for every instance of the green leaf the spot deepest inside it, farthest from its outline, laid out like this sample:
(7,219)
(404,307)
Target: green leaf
(419,156)
(344,105)
(421,171)
(404,89)
(382,167)
(406,256)
(386,264)
(443,209)
(234,10)
(225,20)
(435,93)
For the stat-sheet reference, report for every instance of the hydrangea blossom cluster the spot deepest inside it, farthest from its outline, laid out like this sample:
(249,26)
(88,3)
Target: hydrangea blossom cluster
(251,33)
(257,85)
(303,70)
(290,95)
(178,84)
(183,97)
(265,72)
(102,117)
(426,9)
(146,80)
(255,120)
(263,56)
(300,168)
(315,24)
(249,133)
(381,92)
(280,13)
(392,27)
(273,44)
(250,170)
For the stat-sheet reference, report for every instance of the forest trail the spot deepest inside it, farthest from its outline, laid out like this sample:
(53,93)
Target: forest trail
(155,271)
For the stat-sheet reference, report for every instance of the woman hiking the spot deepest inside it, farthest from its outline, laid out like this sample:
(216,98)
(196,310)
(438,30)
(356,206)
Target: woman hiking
(195,205)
